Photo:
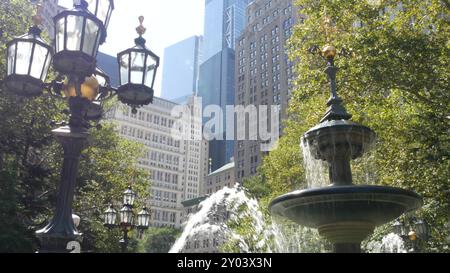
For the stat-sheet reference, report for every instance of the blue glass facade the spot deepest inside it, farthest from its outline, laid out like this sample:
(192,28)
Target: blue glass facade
(180,68)
(224,22)
(110,66)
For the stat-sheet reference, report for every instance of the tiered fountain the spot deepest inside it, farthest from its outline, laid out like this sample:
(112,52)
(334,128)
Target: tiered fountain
(344,213)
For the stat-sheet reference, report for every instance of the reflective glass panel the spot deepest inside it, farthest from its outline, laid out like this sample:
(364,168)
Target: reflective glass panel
(74,29)
(124,69)
(11,55)
(137,67)
(40,53)
(24,50)
(150,71)
(90,40)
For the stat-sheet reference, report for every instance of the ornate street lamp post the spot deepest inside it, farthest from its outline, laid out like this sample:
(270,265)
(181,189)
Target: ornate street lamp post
(127,221)
(78,34)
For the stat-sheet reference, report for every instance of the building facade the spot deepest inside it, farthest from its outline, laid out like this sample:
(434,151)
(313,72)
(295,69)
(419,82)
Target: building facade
(174,161)
(219,179)
(263,72)
(224,21)
(49,9)
(181,68)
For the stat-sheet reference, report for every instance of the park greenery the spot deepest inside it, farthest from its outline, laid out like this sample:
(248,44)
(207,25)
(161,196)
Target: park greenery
(158,240)
(31,160)
(394,79)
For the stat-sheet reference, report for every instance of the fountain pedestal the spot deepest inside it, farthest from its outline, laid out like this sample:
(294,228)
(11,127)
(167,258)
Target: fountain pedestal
(344,213)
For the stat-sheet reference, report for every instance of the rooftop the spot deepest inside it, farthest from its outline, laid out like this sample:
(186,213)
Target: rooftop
(227,167)
(193,202)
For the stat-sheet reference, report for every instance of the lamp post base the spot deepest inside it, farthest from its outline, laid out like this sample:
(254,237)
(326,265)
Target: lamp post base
(51,243)
(56,236)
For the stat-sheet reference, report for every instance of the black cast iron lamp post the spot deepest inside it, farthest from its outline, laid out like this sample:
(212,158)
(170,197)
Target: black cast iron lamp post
(127,218)
(78,34)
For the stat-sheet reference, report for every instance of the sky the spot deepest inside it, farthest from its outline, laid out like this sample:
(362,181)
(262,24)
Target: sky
(167,22)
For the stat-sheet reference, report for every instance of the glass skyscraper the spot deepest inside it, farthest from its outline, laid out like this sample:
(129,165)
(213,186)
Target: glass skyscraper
(224,21)
(180,68)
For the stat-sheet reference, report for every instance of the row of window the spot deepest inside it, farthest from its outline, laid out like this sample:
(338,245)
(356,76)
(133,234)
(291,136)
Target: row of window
(165,196)
(205,244)
(164,177)
(151,118)
(145,135)
(164,216)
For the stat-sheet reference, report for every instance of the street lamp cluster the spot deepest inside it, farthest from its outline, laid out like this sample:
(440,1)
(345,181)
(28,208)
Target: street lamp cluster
(78,34)
(413,231)
(127,219)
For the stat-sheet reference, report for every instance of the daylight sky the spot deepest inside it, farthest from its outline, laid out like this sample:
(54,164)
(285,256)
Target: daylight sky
(167,22)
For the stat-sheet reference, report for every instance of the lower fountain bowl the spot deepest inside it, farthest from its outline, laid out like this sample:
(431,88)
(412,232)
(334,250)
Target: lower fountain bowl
(345,214)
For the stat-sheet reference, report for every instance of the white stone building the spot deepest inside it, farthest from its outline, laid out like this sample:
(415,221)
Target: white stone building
(49,9)
(176,162)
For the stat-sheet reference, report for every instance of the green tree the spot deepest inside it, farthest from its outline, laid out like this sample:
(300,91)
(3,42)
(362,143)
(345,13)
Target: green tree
(396,82)
(31,159)
(159,240)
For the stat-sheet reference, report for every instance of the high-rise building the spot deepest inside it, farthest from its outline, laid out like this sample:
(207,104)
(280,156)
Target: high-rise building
(181,68)
(263,71)
(224,21)
(177,164)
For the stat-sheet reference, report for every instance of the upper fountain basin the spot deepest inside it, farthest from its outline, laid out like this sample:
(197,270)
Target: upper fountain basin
(337,204)
(335,138)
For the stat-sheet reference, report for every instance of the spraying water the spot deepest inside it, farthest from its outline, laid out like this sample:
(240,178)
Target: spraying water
(391,243)
(216,213)
(222,212)
(316,170)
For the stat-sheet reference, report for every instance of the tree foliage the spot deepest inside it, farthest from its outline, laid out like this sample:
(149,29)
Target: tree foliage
(159,240)
(396,81)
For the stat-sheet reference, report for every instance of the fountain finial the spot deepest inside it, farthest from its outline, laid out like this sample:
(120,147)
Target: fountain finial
(336,110)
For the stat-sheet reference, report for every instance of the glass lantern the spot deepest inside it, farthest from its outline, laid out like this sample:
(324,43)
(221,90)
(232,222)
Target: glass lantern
(126,216)
(28,61)
(143,219)
(137,70)
(129,196)
(102,9)
(78,33)
(110,216)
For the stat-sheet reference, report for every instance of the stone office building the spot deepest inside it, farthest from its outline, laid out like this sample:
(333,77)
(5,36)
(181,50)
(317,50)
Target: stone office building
(263,71)
(177,165)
